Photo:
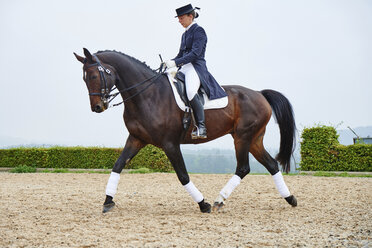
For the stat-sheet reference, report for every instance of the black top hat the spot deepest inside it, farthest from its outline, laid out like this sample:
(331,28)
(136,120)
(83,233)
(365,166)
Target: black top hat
(186,10)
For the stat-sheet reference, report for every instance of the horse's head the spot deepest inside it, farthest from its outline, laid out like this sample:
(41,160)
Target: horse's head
(99,78)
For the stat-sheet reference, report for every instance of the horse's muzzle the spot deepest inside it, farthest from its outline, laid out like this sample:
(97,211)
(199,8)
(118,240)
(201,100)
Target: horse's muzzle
(99,108)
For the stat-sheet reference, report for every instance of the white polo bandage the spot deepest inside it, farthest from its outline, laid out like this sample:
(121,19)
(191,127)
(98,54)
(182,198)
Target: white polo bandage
(280,185)
(230,186)
(194,192)
(112,184)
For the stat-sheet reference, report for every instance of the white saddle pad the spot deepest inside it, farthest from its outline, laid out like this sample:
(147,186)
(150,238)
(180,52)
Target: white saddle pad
(208,104)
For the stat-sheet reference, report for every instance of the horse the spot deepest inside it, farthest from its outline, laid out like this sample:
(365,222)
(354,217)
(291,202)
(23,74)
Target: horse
(151,116)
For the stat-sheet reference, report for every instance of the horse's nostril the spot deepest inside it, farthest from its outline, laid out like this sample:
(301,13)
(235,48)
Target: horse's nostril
(97,108)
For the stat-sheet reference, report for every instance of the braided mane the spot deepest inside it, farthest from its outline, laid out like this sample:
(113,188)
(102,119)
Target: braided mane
(130,57)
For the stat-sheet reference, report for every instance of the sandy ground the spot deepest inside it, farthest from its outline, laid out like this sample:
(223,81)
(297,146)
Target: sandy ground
(64,210)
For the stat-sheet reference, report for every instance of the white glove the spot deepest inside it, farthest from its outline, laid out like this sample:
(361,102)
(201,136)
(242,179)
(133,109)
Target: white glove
(170,64)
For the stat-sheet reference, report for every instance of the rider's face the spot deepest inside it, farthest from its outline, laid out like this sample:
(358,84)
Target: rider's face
(185,20)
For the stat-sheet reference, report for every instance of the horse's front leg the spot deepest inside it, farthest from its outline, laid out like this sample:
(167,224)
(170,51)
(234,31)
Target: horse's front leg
(131,148)
(175,157)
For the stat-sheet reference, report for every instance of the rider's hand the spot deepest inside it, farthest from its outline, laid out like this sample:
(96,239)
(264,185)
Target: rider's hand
(170,64)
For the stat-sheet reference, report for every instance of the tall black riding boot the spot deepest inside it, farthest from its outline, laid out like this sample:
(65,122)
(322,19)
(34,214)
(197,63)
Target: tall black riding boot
(198,109)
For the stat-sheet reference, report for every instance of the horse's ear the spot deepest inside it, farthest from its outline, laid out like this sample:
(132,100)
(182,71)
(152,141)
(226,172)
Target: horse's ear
(88,55)
(81,59)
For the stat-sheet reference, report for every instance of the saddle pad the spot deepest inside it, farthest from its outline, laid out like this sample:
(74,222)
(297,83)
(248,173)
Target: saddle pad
(208,104)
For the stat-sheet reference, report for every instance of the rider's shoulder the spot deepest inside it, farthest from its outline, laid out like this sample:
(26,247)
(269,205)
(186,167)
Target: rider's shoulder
(199,29)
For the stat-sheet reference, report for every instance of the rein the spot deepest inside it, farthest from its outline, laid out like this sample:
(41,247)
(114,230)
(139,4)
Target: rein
(155,77)
(105,95)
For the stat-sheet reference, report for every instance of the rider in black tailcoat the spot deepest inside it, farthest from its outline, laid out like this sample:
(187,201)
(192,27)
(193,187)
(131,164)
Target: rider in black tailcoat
(192,52)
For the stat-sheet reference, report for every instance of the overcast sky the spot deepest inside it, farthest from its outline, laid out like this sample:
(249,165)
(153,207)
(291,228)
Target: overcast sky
(318,53)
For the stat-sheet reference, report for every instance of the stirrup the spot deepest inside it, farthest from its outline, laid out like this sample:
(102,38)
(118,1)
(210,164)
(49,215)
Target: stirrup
(195,134)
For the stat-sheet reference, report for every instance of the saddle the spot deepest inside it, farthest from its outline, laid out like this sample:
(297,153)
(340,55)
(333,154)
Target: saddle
(177,83)
(181,89)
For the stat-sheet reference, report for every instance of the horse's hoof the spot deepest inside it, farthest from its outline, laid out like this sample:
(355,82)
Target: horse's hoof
(107,207)
(205,207)
(291,200)
(217,206)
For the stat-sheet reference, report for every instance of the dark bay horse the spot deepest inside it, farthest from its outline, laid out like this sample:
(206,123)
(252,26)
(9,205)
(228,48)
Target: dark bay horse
(152,116)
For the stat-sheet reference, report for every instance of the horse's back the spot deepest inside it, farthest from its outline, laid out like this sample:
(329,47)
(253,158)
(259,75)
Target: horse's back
(246,96)
(250,105)
(241,91)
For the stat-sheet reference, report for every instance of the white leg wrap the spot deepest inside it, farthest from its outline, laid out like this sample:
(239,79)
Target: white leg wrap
(112,184)
(229,187)
(280,185)
(194,192)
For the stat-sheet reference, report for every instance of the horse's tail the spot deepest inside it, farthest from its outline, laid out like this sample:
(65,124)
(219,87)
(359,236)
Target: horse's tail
(284,116)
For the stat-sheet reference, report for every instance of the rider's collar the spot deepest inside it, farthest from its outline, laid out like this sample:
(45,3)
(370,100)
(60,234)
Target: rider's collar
(190,25)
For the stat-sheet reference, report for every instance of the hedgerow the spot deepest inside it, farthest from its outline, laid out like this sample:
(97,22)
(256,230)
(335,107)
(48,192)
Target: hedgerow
(321,151)
(82,158)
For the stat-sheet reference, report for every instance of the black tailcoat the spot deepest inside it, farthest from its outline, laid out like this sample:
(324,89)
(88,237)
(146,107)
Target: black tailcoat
(192,50)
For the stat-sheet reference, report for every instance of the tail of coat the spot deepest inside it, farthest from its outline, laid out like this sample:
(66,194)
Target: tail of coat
(283,113)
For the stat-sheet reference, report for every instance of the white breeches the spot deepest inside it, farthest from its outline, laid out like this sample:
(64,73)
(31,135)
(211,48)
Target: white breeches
(192,80)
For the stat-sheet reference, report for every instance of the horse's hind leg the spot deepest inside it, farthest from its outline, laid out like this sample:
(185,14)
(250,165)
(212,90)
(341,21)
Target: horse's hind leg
(242,169)
(262,156)
(174,154)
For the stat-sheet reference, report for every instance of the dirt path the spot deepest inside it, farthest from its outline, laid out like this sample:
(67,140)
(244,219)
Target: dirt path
(64,210)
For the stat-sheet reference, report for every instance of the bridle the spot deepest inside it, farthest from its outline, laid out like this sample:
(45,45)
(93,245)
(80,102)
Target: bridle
(105,93)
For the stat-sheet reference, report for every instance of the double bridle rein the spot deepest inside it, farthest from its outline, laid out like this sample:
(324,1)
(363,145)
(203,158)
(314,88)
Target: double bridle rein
(105,93)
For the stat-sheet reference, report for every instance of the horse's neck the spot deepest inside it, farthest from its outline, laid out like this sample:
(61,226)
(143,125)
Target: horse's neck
(131,78)
(130,73)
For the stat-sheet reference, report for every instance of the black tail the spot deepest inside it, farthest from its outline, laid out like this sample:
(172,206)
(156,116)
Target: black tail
(284,116)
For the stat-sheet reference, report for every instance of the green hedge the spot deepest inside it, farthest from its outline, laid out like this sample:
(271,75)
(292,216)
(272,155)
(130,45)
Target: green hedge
(151,157)
(321,151)
(82,158)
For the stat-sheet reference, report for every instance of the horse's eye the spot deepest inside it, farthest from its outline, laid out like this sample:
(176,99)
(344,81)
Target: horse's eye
(92,77)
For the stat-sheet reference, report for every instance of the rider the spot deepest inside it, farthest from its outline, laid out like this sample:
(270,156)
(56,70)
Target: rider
(191,61)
